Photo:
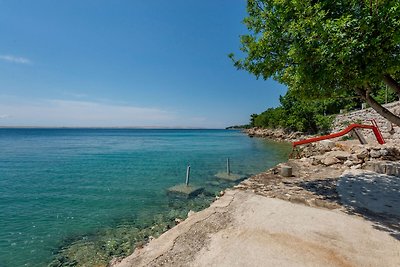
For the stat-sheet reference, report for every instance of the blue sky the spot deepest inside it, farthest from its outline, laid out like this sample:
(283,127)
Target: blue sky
(126,63)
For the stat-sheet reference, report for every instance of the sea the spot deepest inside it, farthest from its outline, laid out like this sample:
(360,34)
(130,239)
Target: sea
(80,197)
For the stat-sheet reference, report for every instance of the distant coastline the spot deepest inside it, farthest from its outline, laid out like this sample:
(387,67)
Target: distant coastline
(111,127)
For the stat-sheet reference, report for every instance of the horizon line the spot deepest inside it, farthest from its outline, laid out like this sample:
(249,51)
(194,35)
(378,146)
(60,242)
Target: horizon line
(113,127)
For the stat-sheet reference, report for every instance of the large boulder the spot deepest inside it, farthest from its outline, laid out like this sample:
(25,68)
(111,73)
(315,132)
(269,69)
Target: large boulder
(328,161)
(361,153)
(326,145)
(341,155)
(348,163)
(374,153)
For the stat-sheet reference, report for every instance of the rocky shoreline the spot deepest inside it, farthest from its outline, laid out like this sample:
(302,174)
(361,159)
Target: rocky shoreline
(279,135)
(350,153)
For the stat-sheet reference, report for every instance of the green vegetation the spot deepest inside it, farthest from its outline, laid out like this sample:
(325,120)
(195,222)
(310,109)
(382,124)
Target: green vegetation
(323,50)
(310,116)
(297,114)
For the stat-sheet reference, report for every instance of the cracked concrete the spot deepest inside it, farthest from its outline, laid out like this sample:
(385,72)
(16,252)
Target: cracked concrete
(243,228)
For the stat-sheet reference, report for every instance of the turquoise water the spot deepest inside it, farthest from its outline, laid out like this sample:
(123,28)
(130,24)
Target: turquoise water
(56,184)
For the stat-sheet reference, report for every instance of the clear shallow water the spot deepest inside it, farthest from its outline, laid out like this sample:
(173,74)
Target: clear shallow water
(60,183)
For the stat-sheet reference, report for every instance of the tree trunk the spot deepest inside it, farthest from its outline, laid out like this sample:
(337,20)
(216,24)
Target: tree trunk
(389,81)
(384,112)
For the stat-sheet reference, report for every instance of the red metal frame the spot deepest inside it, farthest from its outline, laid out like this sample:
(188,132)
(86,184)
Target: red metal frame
(374,128)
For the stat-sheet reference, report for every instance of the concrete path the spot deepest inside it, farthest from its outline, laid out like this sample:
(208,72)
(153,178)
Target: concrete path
(245,229)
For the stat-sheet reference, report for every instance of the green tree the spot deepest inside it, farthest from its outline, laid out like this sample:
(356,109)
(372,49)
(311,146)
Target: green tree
(325,48)
(253,118)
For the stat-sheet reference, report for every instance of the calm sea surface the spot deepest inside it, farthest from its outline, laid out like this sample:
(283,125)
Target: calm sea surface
(61,183)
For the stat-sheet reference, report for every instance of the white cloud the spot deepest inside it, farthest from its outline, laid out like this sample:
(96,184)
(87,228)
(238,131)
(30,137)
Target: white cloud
(17,111)
(4,116)
(15,59)
(83,114)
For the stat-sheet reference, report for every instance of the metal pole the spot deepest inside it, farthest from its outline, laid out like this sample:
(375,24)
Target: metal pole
(187,175)
(228,167)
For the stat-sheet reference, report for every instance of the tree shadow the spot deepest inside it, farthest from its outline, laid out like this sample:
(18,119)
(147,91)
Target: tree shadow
(373,196)
(326,188)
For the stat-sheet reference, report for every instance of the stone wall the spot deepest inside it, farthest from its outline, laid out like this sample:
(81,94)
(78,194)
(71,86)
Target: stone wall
(390,132)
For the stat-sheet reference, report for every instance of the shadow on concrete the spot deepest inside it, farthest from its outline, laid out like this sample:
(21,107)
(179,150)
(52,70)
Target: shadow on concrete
(323,187)
(375,197)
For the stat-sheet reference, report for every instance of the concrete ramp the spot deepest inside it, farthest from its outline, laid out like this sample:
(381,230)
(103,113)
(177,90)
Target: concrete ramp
(245,229)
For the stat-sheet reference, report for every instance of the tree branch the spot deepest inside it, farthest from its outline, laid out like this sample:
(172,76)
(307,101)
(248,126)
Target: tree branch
(389,81)
(381,110)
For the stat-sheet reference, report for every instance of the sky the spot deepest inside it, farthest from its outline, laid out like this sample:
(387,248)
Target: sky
(126,63)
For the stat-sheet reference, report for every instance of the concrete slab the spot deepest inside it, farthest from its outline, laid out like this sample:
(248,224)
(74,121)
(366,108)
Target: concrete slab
(185,190)
(233,177)
(244,229)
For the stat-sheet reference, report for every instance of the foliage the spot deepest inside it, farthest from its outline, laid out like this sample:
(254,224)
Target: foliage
(310,115)
(325,48)
(385,95)
(297,114)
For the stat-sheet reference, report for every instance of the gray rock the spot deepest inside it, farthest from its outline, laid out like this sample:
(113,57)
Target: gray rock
(352,157)
(348,163)
(317,159)
(341,155)
(383,152)
(327,145)
(355,167)
(374,153)
(328,161)
(361,154)
(356,160)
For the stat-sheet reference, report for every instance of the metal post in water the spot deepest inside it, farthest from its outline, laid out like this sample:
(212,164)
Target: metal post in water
(187,175)
(228,167)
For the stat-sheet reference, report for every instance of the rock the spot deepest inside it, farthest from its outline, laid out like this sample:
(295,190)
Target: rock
(306,160)
(374,153)
(341,155)
(355,167)
(383,152)
(348,163)
(317,159)
(190,213)
(353,158)
(361,154)
(177,220)
(327,144)
(328,161)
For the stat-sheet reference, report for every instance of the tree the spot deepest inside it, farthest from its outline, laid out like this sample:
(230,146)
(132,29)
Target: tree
(325,48)
(253,118)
